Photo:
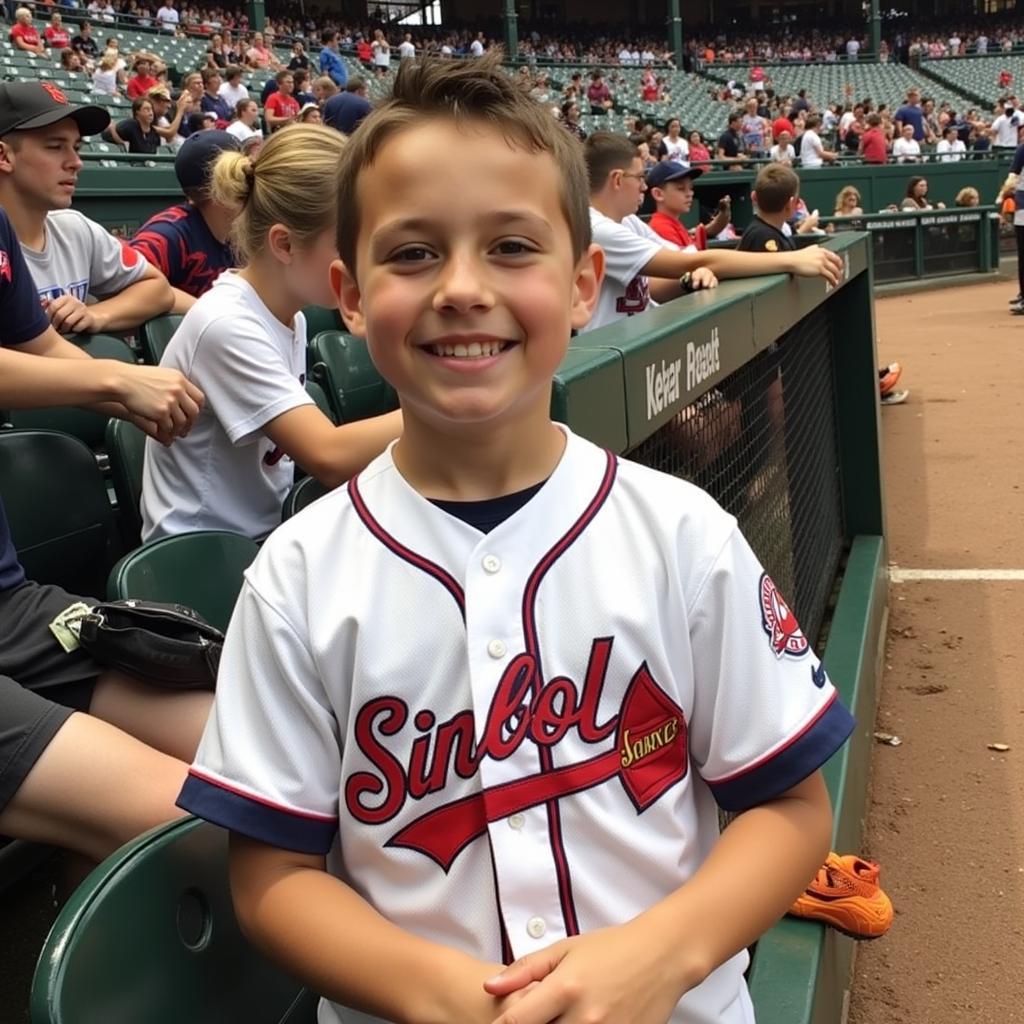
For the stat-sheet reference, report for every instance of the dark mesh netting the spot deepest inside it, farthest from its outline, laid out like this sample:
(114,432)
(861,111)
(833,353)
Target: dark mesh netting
(763,444)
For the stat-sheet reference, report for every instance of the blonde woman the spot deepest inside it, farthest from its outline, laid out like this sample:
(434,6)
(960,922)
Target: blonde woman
(244,343)
(968,197)
(848,203)
(104,78)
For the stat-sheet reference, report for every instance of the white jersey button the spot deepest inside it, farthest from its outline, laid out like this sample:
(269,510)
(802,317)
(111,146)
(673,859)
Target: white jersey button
(536,927)
(516,820)
(491,563)
(497,649)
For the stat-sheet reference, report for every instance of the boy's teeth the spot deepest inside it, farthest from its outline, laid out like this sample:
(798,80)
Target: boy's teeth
(474,350)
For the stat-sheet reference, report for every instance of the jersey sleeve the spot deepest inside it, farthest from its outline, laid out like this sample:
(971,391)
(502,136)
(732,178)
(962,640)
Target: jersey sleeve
(114,265)
(21,316)
(765,715)
(245,377)
(269,762)
(626,253)
(159,244)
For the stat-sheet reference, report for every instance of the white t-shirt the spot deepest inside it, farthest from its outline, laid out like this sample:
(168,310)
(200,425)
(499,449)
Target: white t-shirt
(676,149)
(781,156)
(82,259)
(810,149)
(406,50)
(243,132)
(1006,128)
(852,47)
(846,120)
(233,93)
(167,18)
(628,246)
(950,152)
(906,151)
(476,48)
(380,727)
(226,475)
(104,83)
(381,53)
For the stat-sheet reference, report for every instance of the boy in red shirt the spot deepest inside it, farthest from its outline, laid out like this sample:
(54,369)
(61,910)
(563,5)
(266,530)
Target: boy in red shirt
(143,80)
(873,145)
(282,107)
(671,186)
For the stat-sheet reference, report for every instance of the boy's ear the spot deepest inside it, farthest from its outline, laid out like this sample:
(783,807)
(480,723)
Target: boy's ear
(586,285)
(658,194)
(348,298)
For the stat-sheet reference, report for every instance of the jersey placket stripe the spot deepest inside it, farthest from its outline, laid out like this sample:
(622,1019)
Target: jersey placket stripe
(533,649)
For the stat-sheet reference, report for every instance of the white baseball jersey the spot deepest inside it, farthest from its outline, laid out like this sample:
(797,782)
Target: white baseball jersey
(520,735)
(226,474)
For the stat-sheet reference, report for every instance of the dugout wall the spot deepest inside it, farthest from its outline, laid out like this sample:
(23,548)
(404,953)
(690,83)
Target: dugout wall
(764,392)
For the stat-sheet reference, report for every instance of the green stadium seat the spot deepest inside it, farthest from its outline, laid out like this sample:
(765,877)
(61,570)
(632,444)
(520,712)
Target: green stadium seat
(126,446)
(304,493)
(87,426)
(319,396)
(202,570)
(151,935)
(61,519)
(320,318)
(154,336)
(341,364)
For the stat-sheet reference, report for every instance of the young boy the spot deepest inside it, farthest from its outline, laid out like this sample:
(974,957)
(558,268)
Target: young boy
(508,672)
(671,186)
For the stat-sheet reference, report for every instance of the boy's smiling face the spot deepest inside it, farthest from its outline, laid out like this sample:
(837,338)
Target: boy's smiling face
(466,287)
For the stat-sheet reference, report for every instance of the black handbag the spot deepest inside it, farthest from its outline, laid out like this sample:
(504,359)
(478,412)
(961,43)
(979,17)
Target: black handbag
(167,644)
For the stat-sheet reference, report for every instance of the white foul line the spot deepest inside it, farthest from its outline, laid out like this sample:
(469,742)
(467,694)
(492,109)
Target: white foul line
(898,575)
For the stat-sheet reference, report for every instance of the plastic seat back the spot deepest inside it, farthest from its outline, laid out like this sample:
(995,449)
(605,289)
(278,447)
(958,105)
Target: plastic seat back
(202,570)
(151,935)
(87,426)
(61,520)
(342,366)
(126,446)
(154,336)
(304,493)
(321,318)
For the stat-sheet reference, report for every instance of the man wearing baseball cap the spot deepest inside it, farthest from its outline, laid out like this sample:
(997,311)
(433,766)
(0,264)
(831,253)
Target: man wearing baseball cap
(670,184)
(188,242)
(86,279)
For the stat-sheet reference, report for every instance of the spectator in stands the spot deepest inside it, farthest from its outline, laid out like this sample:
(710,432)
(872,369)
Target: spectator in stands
(323,88)
(246,124)
(906,149)
(281,107)
(299,60)
(855,128)
(812,151)
(167,17)
(950,149)
(302,93)
(755,129)
(671,187)
(346,111)
(231,90)
(167,127)
(673,146)
(364,52)
(599,96)
(916,197)
(571,119)
(912,114)
(84,42)
(188,242)
(730,142)
(476,48)
(310,114)
(71,61)
(406,48)
(1006,128)
(331,63)
(212,102)
(259,56)
(848,203)
(968,197)
(104,78)
(23,33)
(72,773)
(56,34)
(237,467)
(783,152)
(699,152)
(381,53)
(639,264)
(143,80)
(86,279)
(137,132)
(873,146)
(216,55)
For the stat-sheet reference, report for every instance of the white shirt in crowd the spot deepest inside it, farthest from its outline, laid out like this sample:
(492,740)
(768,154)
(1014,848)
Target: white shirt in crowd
(233,93)
(167,18)
(950,152)
(476,48)
(243,132)
(381,53)
(676,149)
(226,475)
(906,151)
(782,156)
(406,50)
(845,121)
(1006,128)
(852,48)
(981,44)
(811,149)
(104,83)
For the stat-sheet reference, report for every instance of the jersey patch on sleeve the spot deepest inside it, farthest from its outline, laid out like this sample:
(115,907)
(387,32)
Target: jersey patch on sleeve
(779,622)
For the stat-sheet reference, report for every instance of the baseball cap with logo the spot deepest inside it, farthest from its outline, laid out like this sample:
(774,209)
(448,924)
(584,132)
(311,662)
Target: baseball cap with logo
(195,158)
(670,170)
(27,105)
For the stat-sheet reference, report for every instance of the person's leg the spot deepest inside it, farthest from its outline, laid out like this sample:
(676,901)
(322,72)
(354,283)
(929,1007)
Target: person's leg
(1018,230)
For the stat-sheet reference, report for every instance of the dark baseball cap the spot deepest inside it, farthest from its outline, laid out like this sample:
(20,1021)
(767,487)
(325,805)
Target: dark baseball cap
(27,105)
(197,154)
(670,170)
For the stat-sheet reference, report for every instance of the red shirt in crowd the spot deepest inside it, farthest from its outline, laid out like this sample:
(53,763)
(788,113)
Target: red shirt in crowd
(282,106)
(698,154)
(873,147)
(364,51)
(26,33)
(139,85)
(57,37)
(780,125)
(671,229)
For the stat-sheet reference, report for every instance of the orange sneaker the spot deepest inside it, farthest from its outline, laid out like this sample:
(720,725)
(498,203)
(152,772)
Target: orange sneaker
(888,376)
(845,894)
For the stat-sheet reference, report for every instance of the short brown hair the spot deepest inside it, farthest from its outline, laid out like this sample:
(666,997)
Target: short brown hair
(476,90)
(606,152)
(775,185)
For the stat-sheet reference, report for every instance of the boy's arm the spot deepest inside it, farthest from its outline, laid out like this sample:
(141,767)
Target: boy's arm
(330,938)
(148,297)
(813,261)
(637,972)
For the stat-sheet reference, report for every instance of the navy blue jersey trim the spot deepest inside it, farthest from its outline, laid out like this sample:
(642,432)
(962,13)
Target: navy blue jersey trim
(256,820)
(794,763)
